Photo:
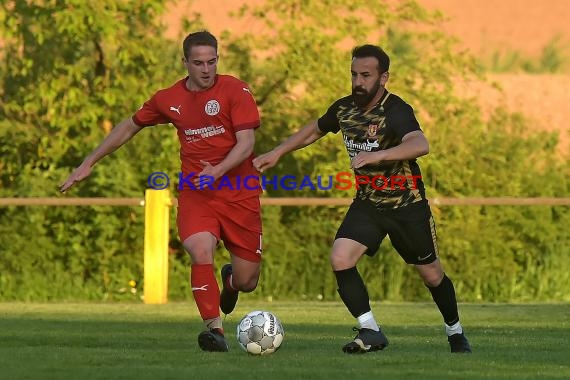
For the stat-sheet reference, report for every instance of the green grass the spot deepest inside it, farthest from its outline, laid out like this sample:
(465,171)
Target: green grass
(135,341)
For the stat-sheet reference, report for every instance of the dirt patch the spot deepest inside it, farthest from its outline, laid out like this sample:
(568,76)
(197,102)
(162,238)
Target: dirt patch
(521,25)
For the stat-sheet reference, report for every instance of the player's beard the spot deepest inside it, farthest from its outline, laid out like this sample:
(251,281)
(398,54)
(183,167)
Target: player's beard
(362,97)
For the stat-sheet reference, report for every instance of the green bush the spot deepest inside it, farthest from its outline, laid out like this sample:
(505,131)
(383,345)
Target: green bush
(67,74)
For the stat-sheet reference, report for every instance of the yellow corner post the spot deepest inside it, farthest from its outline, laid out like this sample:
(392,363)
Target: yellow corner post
(156,236)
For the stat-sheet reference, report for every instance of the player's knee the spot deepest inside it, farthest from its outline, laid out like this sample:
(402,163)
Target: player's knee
(432,280)
(339,261)
(201,256)
(201,247)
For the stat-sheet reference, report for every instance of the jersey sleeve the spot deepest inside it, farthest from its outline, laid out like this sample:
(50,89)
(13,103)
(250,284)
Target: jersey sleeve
(244,112)
(401,120)
(150,114)
(329,121)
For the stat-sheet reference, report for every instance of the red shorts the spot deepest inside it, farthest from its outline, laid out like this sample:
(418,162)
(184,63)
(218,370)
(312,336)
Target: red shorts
(237,224)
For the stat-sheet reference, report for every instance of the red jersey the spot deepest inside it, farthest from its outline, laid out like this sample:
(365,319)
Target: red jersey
(206,122)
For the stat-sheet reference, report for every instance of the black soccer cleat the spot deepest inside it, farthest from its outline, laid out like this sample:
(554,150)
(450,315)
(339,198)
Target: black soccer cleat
(366,340)
(228,297)
(213,341)
(459,343)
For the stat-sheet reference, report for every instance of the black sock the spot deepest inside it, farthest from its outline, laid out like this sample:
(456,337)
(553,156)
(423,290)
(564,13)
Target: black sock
(444,297)
(352,291)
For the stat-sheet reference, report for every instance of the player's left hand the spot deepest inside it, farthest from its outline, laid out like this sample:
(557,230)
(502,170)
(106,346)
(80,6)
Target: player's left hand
(363,159)
(208,175)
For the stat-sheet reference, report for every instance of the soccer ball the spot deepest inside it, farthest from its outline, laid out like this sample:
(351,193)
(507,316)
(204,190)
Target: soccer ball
(260,333)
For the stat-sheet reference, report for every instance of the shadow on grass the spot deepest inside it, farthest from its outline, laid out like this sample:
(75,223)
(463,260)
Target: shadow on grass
(140,342)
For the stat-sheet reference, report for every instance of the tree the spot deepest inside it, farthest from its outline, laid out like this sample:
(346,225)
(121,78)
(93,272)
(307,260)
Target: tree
(70,70)
(301,64)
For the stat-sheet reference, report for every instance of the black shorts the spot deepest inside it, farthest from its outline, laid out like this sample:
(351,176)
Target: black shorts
(411,229)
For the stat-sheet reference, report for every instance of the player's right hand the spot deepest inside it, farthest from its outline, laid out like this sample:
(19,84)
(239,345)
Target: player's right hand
(78,175)
(265,161)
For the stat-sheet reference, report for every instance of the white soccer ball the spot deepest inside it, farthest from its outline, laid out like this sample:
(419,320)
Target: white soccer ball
(260,333)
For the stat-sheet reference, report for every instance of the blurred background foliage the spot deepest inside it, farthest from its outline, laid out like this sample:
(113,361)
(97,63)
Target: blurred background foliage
(70,70)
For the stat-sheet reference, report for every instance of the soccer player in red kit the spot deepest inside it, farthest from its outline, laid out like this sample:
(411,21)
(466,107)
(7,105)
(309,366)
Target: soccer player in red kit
(215,116)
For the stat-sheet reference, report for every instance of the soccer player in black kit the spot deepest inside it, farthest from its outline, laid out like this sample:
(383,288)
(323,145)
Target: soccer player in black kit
(383,139)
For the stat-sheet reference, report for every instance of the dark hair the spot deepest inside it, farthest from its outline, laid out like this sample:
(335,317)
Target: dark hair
(201,38)
(374,51)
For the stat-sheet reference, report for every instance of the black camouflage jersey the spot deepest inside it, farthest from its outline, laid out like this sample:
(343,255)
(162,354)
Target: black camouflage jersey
(392,184)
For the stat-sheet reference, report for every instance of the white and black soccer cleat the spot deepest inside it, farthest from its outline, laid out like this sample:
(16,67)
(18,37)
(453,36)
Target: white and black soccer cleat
(366,340)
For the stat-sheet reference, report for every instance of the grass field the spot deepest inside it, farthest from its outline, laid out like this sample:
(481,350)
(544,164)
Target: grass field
(136,341)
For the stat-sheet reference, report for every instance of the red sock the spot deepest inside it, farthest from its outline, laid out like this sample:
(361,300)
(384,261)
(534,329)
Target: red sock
(205,290)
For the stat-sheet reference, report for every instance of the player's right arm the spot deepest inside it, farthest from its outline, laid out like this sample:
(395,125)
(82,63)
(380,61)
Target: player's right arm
(119,135)
(300,139)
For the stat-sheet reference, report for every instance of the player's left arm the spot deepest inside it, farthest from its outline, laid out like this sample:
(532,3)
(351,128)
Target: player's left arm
(245,141)
(414,144)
